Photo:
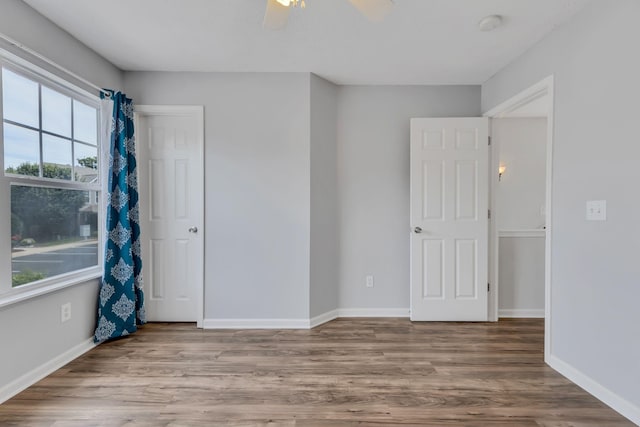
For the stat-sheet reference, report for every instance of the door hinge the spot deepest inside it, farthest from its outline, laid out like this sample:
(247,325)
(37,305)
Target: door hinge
(489,140)
(489,213)
(488,287)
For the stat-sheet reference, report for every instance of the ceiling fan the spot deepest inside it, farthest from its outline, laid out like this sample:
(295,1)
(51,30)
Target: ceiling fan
(277,13)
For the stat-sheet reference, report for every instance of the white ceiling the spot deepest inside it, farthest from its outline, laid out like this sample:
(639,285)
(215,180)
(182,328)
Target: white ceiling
(420,42)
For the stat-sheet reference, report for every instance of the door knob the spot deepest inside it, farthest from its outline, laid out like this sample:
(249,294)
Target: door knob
(417,230)
(193,229)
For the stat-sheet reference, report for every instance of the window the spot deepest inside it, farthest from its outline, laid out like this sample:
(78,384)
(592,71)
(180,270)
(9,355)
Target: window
(50,181)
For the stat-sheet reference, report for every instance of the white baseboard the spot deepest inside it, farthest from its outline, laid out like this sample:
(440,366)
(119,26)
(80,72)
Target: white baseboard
(256,324)
(617,403)
(373,312)
(323,318)
(47,368)
(303,323)
(522,312)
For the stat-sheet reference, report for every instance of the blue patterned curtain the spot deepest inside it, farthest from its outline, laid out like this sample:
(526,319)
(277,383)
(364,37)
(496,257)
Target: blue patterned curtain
(121,301)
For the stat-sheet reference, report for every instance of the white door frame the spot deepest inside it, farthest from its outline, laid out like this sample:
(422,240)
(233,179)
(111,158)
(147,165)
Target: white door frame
(198,112)
(542,88)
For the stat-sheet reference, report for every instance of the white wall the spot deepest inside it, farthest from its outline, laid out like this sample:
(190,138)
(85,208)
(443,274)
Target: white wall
(324,254)
(595,297)
(257,184)
(31,332)
(520,195)
(373,171)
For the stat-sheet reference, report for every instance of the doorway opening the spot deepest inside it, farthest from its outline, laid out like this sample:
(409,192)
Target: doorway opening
(521,206)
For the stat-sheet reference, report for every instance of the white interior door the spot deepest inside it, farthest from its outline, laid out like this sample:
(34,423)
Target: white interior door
(170,152)
(449,219)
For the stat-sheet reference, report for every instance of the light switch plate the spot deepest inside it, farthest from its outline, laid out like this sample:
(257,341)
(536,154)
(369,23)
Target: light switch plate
(597,210)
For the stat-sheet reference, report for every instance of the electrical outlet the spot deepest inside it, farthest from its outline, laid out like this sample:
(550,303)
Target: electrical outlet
(65,312)
(369,281)
(597,210)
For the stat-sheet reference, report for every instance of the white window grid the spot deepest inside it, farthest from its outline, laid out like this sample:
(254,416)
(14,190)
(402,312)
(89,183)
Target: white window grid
(9,294)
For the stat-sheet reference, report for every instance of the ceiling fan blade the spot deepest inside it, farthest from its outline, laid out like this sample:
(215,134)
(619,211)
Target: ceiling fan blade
(374,10)
(276,15)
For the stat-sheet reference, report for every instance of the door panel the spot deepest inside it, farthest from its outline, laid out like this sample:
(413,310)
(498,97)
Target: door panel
(449,205)
(433,271)
(172,196)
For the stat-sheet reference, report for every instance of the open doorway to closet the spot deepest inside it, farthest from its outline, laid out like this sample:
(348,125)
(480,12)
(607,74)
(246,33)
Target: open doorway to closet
(521,165)
(520,138)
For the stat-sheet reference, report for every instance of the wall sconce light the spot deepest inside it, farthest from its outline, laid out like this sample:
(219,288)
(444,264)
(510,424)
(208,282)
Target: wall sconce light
(501,170)
(287,3)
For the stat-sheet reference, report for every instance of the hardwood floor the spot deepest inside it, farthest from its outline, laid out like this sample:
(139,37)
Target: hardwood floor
(366,372)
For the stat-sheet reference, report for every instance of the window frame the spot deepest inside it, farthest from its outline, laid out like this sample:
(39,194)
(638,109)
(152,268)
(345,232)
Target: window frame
(8,293)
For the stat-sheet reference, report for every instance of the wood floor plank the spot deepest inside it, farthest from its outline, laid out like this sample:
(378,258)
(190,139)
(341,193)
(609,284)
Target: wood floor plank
(348,372)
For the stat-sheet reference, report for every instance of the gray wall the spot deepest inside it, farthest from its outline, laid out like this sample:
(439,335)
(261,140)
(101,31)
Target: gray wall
(595,296)
(33,334)
(521,277)
(28,27)
(256,186)
(373,179)
(323,290)
(307,187)
(31,331)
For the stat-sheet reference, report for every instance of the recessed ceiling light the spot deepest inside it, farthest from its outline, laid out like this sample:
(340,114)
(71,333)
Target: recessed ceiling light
(490,23)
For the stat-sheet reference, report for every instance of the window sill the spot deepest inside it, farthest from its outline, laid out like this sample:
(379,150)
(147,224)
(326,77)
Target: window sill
(19,295)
